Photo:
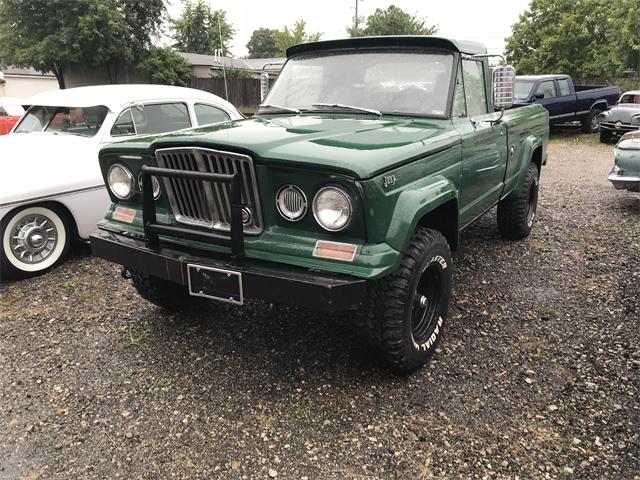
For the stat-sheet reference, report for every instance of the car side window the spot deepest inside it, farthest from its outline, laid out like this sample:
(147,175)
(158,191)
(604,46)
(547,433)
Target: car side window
(459,108)
(547,89)
(208,114)
(564,87)
(124,125)
(474,87)
(151,119)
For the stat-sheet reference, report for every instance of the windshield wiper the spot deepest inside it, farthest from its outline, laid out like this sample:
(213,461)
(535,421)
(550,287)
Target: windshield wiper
(279,107)
(348,107)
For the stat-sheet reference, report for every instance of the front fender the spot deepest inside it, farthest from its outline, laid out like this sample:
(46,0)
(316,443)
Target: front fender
(414,204)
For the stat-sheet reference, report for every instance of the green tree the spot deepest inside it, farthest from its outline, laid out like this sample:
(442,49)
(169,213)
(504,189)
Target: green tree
(583,38)
(166,67)
(200,29)
(262,43)
(393,21)
(287,37)
(48,35)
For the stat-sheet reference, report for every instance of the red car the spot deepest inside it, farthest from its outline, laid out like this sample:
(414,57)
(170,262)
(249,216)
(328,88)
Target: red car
(10,112)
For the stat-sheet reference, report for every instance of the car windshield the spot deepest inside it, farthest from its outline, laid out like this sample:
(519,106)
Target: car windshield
(393,82)
(523,89)
(85,122)
(630,98)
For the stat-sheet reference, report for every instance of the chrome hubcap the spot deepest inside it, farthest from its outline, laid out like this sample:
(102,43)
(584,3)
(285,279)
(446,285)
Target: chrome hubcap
(33,239)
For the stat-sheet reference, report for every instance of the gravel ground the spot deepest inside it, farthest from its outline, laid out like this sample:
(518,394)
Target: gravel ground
(538,376)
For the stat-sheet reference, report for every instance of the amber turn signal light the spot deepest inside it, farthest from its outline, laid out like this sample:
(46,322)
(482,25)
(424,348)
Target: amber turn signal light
(335,250)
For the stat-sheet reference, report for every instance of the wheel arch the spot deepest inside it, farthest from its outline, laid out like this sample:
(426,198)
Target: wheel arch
(600,104)
(433,206)
(61,207)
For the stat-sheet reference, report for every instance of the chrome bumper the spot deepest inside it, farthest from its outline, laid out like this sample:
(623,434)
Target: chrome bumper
(624,182)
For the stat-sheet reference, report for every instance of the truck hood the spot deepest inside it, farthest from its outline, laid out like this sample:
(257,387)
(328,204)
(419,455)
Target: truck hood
(622,113)
(34,165)
(361,147)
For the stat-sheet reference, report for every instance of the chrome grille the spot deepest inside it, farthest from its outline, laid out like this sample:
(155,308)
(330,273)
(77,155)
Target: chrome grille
(208,204)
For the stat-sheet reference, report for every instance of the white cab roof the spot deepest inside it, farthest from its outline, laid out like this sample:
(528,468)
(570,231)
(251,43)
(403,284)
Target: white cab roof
(114,97)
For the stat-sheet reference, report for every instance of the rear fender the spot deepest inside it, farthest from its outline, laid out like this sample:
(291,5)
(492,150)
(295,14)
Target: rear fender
(529,146)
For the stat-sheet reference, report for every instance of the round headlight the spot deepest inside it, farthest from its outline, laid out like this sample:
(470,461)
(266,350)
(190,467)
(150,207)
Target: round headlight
(635,121)
(291,203)
(332,208)
(154,183)
(120,181)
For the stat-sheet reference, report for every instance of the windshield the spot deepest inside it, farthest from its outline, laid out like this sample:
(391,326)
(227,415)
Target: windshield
(398,82)
(85,122)
(523,89)
(630,98)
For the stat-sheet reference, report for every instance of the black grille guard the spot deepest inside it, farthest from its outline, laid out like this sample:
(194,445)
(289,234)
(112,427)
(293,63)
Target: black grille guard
(153,229)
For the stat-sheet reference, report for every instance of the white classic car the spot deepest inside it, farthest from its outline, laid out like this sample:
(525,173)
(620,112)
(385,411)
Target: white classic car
(51,188)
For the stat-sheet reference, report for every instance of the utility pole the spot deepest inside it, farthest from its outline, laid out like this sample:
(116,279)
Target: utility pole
(356,18)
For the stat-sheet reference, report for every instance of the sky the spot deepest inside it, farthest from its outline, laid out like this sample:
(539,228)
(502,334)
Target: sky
(485,21)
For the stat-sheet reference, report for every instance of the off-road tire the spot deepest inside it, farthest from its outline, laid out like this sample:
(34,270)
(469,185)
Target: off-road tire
(515,217)
(162,293)
(605,136)
(389,318)
(588,125)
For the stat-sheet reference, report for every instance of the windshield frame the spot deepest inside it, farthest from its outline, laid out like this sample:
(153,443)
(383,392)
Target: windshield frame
(380,49)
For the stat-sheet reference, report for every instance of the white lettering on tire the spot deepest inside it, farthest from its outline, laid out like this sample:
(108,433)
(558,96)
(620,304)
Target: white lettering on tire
(434,336)
(440,260)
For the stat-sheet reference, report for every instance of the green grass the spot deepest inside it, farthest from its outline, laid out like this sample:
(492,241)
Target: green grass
(3,303)
(72,283)
(573,136)
(545,311)
(136,338)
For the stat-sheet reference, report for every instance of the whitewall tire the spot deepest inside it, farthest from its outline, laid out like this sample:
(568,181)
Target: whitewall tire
(34,239)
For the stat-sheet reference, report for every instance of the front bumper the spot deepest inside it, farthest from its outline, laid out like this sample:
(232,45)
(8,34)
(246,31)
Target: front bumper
(617,132)
(261,279)
(622,182)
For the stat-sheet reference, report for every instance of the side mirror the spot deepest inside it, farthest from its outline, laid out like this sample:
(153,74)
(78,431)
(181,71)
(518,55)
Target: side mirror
(504,82)
(539,96)
(264,85)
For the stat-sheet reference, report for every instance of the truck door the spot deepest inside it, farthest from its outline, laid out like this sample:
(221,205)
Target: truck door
(547,96)
(566,102)
(484,144)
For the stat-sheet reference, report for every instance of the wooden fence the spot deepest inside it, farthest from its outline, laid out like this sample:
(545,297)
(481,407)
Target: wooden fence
(244,93)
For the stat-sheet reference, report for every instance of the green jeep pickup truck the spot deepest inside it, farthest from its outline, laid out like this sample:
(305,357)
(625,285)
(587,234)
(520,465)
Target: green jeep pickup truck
(347,189)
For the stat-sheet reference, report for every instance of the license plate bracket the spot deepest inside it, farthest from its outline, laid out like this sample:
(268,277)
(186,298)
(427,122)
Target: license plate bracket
(215,283)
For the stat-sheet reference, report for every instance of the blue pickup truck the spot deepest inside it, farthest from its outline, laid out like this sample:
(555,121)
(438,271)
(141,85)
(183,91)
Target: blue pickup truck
(566,102)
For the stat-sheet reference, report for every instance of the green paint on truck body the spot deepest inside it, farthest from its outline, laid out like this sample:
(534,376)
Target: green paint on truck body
(464,163)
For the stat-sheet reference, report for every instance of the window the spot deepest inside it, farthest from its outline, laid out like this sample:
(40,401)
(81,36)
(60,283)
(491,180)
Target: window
(459,108)
(124,125)
(474,87)
(85,121)
(391,81)
(630,98)
(547,89)
(207,114)
(564,87)
(152,119)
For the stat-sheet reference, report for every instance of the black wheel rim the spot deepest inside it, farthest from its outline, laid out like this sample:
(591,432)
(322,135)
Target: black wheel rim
(533,202)
(426,303)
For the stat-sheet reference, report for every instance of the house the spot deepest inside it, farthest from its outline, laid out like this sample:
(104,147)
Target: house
(25,82)
(207,66)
